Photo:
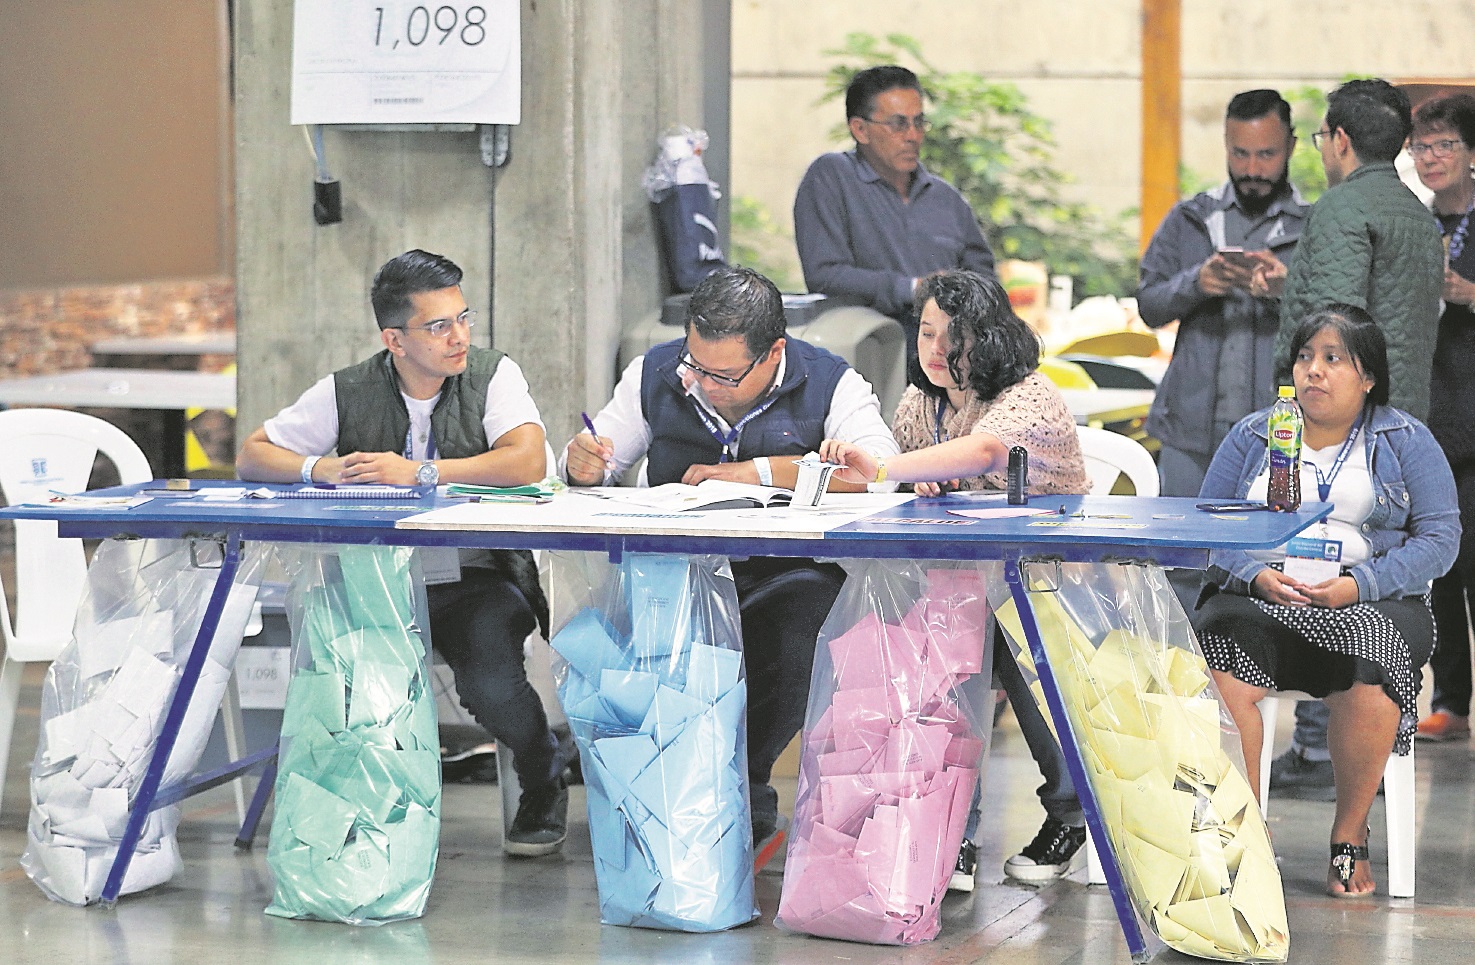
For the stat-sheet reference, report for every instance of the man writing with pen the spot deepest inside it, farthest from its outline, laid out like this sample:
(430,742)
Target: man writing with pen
(433,408)
(736,400)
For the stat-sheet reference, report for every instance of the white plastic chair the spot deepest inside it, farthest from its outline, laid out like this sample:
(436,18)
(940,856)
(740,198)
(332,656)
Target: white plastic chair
(44,451)
(1110,455)
(1398,796)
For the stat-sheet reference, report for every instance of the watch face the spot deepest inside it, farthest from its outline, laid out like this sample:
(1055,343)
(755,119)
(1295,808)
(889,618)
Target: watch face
(428,474)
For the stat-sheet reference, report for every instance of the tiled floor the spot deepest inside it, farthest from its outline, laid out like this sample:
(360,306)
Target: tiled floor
(486,907)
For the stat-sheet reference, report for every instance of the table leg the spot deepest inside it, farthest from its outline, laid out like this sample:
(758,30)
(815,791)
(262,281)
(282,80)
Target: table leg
(1126,914)
(143,802)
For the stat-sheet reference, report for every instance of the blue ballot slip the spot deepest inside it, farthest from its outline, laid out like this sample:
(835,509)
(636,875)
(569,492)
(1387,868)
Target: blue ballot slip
(659,720)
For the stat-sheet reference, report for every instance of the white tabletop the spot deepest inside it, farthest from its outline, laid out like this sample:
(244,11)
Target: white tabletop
(215,343)
(1107,405)
(123,389)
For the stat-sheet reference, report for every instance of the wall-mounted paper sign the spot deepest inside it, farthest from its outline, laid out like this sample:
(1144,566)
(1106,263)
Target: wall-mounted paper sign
(406,62)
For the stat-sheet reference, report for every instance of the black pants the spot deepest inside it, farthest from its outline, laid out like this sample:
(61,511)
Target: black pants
(1451,659)
(784,602)
(479,625)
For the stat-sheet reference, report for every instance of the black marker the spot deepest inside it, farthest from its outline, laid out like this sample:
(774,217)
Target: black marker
(1018,475)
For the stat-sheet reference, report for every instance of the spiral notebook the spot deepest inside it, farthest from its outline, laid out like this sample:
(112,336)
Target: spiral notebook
(342,492)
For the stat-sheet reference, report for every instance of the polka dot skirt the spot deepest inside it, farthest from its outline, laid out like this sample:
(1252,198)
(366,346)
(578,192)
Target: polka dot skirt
(1360,631)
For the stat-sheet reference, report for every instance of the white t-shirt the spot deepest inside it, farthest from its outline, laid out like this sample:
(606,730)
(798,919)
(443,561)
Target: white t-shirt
(309,426)
(1351,494)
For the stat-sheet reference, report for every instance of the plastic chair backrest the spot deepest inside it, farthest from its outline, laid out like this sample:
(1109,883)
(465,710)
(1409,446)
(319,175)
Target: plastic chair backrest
(1114,343)
(44,451)
(1109,455)
(1066,375)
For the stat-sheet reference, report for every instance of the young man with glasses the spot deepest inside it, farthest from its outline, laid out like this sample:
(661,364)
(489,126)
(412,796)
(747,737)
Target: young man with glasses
(737,400)
(870,222)
(432,408)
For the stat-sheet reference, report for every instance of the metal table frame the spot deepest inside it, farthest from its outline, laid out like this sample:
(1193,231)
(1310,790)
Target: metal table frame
(902,532)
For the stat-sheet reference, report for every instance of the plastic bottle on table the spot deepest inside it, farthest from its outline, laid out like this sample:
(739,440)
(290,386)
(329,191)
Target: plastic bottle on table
(1284,494)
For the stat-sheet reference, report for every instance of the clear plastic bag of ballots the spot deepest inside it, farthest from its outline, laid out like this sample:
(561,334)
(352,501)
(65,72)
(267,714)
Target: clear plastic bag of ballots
(1162,756)
(648,660)
(103,705)
(357,823)
(899,709)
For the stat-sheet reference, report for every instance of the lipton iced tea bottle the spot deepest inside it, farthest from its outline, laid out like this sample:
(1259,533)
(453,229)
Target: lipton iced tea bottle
(1284,494)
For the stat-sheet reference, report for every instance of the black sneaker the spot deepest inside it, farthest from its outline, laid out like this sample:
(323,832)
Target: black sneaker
(963,871)
(1053,852)
(471,765)
(541,823)
(1293,776)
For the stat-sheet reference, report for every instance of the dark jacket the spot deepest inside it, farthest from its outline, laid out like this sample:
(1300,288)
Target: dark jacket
(1369,242)
(792,425)
(1223,365)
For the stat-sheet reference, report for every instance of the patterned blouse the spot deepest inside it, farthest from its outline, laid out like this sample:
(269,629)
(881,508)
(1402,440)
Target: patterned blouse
(1030,413)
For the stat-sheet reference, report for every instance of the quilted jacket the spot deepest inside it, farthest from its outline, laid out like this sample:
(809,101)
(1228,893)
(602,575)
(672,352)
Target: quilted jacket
(1369,242)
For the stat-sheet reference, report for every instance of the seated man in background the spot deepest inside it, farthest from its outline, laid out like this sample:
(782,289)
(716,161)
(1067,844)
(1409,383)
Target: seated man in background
(433,408)
(736,400)
(870,222)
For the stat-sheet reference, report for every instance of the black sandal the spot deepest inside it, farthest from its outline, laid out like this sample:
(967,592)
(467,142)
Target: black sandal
(1344,863)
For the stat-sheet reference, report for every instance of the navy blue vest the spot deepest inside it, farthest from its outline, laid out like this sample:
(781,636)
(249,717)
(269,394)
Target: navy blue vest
(792,426)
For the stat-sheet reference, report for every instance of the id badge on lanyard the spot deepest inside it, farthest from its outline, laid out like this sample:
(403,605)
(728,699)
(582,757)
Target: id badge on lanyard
(1313,560)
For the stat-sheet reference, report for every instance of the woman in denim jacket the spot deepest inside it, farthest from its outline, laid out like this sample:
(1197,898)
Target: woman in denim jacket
(1355,631)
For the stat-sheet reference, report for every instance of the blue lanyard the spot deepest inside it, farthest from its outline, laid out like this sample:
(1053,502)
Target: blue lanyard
(937,434)
(1324,483)
(410,445)
(728,440)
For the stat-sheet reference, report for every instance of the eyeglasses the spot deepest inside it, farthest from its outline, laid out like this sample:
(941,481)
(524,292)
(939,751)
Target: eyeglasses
(731,381)
(898,124)
(1316,138)
(1436,148)
(441,327)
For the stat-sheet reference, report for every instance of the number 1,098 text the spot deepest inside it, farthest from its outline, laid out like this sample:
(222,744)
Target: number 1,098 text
(469,27)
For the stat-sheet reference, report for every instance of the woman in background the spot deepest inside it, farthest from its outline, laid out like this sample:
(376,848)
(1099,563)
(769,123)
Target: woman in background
(1441,143)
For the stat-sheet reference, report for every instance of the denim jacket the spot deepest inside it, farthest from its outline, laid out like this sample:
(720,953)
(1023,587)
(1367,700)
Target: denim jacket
(1414,527)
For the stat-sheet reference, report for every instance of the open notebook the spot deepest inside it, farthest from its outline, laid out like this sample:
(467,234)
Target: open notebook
(707,495)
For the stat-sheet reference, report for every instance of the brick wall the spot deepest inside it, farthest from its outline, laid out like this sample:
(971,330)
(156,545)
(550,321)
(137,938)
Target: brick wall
(50,330)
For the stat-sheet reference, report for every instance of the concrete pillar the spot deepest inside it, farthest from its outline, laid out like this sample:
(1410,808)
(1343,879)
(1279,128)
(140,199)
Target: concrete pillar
(559,246)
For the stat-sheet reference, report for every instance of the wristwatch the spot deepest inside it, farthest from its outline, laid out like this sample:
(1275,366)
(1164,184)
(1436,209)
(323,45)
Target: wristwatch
(428,474)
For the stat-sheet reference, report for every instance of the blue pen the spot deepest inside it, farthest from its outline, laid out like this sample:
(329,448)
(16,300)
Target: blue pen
(589,424)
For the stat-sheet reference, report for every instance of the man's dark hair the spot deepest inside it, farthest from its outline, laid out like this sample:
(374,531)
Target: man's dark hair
(733,301)
(1251,105)
(866,86)
(1001,348)
(408,274)
(1362,336)
(1375,116)
(1453,113)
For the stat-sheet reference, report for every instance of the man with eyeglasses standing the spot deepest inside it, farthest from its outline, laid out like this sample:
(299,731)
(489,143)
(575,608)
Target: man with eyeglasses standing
(433,408)
(737,400)
(1201,271)
(870,222)
(1368,242)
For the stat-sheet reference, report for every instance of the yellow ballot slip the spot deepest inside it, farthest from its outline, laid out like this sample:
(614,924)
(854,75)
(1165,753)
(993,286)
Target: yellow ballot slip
(1194,854)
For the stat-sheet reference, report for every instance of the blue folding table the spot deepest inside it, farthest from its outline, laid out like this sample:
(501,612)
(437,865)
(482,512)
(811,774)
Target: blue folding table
(1082,529)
